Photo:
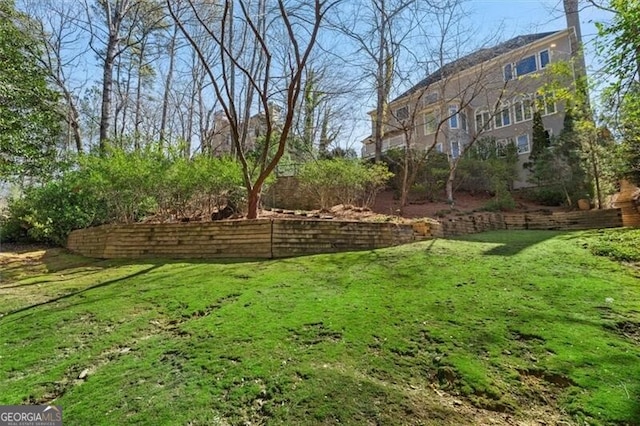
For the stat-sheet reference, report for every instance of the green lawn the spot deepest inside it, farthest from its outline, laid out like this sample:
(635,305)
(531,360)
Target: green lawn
(509,323)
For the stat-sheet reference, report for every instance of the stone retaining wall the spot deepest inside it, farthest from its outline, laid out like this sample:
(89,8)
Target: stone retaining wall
(261,238)
(564,221)
(276,238)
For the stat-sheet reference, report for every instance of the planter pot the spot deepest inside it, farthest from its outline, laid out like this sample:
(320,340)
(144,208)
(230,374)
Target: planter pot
(584,204)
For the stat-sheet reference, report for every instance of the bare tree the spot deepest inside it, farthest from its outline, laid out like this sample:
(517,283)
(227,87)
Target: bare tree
(290,30)
(112,37)
(379,29)
(57,25)
(450,94)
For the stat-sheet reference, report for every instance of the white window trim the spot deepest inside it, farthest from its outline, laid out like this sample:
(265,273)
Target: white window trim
(528,144)
(504,73)
(539,58)
(451,149)
(453,116)
(464,128)
(435,118)
(514,65)
(520,100)
(544,108)
(487,125)
(438,147)
(503,106)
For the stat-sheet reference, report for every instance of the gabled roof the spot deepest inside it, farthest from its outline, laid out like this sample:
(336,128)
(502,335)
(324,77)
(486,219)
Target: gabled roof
(476,58)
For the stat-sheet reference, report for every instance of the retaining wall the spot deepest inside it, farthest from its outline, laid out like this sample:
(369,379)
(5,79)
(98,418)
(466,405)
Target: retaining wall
(260,238)
(565,221)
(276,238)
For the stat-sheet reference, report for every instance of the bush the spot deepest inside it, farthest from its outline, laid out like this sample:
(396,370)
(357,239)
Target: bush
(503,201)
(343,181)
(121,187)
(546,196)
(127,182)
(48,213)
(430,179)
(192,187)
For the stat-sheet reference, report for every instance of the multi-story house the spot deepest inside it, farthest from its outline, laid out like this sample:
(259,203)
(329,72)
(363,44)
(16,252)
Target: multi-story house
(219,142)
(490,93)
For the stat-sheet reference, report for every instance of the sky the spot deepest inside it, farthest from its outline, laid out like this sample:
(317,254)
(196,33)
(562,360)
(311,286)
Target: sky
(517,17)
(509,18)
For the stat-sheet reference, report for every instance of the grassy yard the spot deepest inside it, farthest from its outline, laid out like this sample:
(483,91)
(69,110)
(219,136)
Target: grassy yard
(501,327)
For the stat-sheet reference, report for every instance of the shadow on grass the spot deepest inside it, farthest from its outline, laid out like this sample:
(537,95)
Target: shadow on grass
(67,277)
(79,292)
(510,243)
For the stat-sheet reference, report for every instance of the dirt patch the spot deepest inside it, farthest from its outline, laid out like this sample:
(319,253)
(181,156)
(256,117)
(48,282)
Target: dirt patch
(627,329)
(549,377)
(465,202)
(387,209)
(315,333)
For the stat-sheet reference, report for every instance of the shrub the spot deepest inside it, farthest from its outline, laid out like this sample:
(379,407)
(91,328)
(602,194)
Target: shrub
(121,187)
(502,201)
(546,195)
(343,181)
(430,178)
(48,213)
(193,186)
(127,182)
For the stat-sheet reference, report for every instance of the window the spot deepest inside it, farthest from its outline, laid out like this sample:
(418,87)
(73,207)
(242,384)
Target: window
(455,149)
(430,123)
(402,113)
(523,144)
(453,117)
(430,98)
(545,104)
(463,120)
(526,66)
(522,109)
(502,118)
(544,58)
(395,141)
(550,107)
(439,147)
(508,72)
(502,145)
(483,120)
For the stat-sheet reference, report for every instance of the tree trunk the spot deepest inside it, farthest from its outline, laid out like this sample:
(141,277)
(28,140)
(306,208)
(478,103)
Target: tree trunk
(137,112)
(107,87)
(167,85)
(404,195)
(254,202)
(449,189)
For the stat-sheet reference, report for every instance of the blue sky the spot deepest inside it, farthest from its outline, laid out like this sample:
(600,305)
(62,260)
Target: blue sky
(517,17)
(500,20)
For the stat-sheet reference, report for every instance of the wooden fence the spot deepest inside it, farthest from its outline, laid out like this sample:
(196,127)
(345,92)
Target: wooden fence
(261,238)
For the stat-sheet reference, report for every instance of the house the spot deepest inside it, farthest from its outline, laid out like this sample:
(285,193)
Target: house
(219,141)
(490,93)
